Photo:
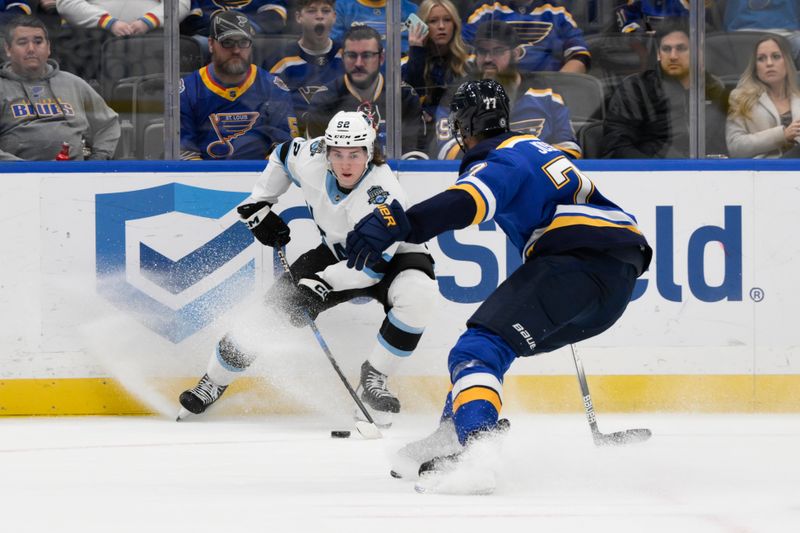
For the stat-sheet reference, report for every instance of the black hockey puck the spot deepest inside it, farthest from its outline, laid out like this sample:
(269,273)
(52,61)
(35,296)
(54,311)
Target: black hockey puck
(340,434)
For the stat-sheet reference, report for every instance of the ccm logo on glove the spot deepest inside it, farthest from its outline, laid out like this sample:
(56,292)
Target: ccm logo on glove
(266,226)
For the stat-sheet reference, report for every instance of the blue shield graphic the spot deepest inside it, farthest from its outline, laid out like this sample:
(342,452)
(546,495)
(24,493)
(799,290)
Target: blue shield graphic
(187,291)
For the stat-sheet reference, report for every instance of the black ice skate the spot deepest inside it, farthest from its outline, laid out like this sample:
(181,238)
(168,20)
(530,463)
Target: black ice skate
(197,399)
(469,471)
(376,396)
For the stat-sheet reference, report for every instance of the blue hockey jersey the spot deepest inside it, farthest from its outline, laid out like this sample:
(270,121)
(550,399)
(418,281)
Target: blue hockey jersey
(241,122)
(644,15)
(305,73)
(551,35)
(267,16)
(370,13)
(540,112)
(540,199)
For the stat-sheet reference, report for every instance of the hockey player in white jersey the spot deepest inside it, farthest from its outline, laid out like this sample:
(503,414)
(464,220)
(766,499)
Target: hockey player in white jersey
(342,179)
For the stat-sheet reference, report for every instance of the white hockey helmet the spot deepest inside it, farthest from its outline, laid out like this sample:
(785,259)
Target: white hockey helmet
(348,129)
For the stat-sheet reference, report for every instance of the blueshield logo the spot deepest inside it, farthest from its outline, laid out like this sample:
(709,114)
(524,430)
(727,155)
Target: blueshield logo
(174,255)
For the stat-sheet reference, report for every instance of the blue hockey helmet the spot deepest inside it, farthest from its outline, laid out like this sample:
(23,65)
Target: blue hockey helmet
(478,107)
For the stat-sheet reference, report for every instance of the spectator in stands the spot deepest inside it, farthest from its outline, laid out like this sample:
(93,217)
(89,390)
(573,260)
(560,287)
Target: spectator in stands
(312,61)
(232,109)
(776,16)
(764,115)
(648,114)
(361,88)
(535,108)
(646,15)
(437,57)
(370,13)
(266,16)
(43,107)
(9,9)
(551,38)
(120,18)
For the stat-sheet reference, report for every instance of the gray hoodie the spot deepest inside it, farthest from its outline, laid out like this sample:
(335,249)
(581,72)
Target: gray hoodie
(36,116)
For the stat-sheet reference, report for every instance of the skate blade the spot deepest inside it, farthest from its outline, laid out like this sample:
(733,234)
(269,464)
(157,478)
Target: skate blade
(404,467)
(368,431)
(183,413)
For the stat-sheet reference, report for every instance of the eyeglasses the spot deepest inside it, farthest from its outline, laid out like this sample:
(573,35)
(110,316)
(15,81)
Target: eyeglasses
(365,56)
(679,48)
(492,52)
(241,43)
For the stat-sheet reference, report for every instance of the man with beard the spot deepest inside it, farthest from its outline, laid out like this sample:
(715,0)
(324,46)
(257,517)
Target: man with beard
(231,109)
(314,60)
(361,88)
(648,115)
(550,36)
(535,108)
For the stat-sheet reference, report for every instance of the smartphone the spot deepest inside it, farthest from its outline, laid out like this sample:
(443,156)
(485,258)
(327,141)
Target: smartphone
(414,20)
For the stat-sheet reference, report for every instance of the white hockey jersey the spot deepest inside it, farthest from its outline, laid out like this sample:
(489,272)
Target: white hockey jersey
(304,163)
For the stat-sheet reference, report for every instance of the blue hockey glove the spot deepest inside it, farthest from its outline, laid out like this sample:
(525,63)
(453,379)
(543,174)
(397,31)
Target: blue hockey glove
(374,233)
(308,300)
(267,227)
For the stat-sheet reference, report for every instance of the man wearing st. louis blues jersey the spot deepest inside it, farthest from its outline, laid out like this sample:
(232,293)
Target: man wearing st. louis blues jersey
(231,109)
(553,39)
(582,254)
(535,108)
(314,60)
(341,178)
(370,13)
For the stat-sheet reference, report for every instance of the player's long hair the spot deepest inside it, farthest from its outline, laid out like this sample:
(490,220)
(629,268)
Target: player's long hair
(456,49)
(749,89)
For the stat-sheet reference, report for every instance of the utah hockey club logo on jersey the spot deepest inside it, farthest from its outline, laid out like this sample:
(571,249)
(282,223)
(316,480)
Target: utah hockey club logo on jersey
(317,147)
(174,256)
(376,195)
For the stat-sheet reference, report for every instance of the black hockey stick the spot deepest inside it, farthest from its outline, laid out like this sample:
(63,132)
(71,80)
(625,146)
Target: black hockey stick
(367,429)
(628,436)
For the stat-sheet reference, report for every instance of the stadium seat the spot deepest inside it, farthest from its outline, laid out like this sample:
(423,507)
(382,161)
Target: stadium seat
(77,51)
(270,46)
(617,55)
(727,54)
(148,108)
(153,140)
(582,94)
(590,137)
(136,56)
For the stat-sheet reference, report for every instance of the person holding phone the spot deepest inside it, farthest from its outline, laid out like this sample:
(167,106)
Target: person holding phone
(437,55)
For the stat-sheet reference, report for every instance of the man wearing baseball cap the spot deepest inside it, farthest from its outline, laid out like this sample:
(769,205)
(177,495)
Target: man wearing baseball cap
(232,109)
(535,107)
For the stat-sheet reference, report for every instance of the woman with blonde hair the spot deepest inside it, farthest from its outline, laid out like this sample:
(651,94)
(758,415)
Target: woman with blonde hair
(437,55)
(764,115)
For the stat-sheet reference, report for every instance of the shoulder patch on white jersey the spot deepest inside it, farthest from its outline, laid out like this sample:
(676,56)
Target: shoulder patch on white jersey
(377,195)
(317,147)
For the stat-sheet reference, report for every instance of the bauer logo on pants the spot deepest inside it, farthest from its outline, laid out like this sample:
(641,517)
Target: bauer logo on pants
(174,255)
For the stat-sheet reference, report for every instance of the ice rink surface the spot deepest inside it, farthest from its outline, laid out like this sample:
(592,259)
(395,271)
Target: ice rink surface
(699,473)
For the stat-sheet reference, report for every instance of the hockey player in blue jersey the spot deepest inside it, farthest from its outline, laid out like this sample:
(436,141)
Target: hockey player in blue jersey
(582,254)
(231,109)
(553,39)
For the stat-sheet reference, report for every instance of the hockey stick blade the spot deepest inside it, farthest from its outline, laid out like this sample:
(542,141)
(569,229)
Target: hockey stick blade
(368,431)
(622,438)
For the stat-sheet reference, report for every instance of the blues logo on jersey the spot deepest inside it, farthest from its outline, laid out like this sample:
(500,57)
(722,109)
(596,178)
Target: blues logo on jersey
(240,122)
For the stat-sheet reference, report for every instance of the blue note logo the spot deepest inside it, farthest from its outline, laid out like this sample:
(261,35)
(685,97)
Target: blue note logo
(175,256)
